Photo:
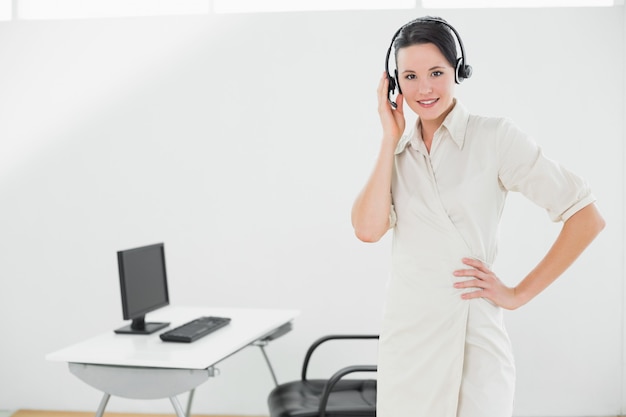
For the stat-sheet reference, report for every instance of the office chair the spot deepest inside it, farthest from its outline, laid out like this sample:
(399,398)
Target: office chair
(332,397)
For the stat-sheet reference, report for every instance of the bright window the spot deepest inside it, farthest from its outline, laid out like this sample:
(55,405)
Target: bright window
(86,9)
(6,9)
(465,4)
(254,6)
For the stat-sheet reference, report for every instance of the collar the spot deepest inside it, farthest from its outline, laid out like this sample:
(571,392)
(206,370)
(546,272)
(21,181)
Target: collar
(455,124)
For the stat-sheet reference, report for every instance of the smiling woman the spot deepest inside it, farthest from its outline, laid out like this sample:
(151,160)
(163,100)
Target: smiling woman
(440,186)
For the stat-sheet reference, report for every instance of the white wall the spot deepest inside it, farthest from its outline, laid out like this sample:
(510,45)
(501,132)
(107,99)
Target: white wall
(624,227)
(240,141)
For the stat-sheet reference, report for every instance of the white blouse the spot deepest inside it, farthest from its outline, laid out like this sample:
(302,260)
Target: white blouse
(475,161)
(440,355)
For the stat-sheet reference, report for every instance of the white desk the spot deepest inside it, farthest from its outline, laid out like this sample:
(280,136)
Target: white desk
(145,367)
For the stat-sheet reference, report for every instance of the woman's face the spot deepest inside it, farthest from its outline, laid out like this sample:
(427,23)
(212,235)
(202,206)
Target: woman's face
(426,80)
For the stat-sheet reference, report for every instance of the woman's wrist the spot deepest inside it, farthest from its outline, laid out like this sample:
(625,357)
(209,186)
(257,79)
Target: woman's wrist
(391,141)
(521,296)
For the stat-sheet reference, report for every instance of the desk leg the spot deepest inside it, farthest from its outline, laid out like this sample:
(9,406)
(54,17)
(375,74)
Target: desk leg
(177,407)
(103,404)
(267,360)
(174,400)
(189,401)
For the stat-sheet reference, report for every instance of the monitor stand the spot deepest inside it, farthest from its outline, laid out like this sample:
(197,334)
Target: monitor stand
(139,326)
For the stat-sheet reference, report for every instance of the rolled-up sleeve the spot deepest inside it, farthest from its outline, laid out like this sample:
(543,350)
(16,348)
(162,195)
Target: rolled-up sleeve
(392,217)
(524,168)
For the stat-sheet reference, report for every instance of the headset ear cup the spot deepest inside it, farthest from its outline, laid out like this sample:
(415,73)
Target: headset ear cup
(459,74)
(392,85)
(396,81)
(462,71)
(467,71)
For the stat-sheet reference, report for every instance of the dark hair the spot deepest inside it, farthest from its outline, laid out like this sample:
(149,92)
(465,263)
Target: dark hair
(425,30)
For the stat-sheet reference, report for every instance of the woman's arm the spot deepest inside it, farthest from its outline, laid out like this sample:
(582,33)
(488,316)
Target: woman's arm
(577,233)
(371,209)
(370,212)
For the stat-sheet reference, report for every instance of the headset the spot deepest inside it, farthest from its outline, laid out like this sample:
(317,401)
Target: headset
(462,70)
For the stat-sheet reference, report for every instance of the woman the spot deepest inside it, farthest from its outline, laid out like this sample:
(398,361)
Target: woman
(444,351)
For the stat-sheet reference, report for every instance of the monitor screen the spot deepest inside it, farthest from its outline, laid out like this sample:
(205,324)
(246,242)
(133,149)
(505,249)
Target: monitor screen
(143,284)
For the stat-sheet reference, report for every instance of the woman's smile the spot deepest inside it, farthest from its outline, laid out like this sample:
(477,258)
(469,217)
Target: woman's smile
(428,103)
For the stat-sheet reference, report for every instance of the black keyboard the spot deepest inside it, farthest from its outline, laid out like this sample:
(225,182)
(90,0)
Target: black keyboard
(194,329)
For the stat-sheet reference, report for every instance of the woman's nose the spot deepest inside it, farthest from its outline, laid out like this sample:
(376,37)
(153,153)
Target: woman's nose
(424,86)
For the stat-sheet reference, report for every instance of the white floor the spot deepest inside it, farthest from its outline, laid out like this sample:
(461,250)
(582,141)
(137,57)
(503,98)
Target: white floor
(5,413)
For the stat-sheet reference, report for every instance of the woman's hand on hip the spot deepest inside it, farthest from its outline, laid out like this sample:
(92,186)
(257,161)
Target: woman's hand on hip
(486,284)
(392,119)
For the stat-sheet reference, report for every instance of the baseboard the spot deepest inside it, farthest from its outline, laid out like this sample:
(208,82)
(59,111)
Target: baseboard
(45,413)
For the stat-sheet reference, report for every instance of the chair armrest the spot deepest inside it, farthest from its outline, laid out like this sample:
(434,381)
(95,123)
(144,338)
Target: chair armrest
(330,384)
(323,339)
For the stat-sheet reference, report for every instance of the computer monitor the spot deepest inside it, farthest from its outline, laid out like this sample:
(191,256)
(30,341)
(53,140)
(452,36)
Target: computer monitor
(143,283)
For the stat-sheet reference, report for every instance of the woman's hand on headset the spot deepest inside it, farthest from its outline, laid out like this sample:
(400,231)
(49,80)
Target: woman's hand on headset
(392,119)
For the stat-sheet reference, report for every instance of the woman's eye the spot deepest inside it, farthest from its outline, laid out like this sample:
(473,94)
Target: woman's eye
(437,74)
(410,76)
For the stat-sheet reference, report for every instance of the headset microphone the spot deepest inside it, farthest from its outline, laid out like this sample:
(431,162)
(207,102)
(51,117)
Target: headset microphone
(461,72)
